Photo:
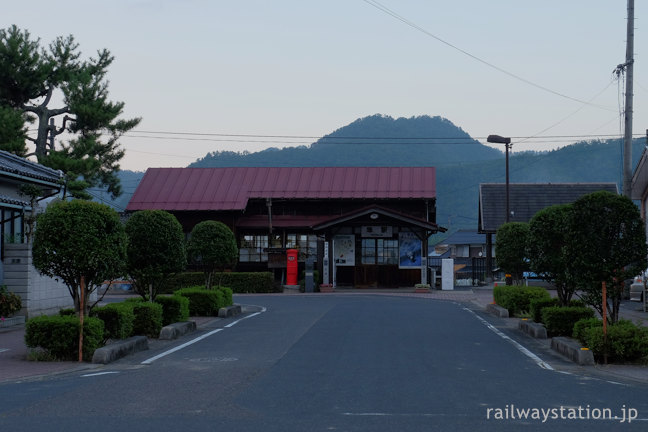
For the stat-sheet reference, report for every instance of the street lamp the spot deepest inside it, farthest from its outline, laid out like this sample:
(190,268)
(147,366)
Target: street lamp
(496,139)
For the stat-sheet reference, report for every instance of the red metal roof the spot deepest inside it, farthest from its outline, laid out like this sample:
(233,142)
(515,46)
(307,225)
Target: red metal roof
(230,188)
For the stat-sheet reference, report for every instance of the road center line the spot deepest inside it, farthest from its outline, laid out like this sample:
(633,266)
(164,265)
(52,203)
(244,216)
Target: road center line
(198,339)
(522,349)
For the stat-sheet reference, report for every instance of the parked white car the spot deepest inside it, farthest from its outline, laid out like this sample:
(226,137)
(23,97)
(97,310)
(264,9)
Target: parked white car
(638,288)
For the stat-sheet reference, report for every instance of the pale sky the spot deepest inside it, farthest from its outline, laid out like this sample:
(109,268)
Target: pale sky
(308,67)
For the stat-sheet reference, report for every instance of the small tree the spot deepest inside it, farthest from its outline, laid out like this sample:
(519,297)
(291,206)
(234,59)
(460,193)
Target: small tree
(156,249)
(75,239)
(606,242)
(212,246)
(511,248)
(546,249)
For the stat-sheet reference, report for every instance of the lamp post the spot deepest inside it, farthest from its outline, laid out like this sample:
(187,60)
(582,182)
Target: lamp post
(496,139)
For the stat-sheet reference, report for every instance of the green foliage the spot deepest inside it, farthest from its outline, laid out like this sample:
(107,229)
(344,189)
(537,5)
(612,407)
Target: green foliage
(59,336)
(203,302)
(156,249)
(560,320)
(227,296)
(625,342)
(118,319)
(67,312)
(148,319)
(34,78)
(536,306)
(213,246)
(174,309)
(248,282)
(10,303)
(546,249)
(511,248)
(13,132)
(75,239)
(581,327)
(610,247)
(517,299)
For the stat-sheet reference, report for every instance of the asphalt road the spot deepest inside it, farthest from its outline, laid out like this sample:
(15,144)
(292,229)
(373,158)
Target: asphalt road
(332,363)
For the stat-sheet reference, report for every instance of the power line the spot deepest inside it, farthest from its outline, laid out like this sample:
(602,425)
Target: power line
(409,23)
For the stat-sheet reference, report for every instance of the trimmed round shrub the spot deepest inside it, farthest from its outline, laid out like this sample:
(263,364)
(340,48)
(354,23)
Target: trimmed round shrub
(203,302)
(582,326)
(516,298)
(148,319)
(118,319)
(560,320)
(59,336)
(625,342)
(536,306)
(227,296)
(174,309)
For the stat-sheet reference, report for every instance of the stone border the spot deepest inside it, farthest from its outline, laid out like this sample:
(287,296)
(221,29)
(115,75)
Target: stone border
(175,330)
(497,310)
(573,350)
(119,349)
(532,328)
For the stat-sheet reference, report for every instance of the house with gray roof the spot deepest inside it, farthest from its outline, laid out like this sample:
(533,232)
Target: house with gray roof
(525,200)
(38,294)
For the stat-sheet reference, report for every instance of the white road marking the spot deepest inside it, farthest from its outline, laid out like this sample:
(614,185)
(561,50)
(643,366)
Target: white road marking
(522,349)
(198,339)
(4,349)
(98,373)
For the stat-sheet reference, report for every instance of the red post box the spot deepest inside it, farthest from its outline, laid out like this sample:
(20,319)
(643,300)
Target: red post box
(291,267)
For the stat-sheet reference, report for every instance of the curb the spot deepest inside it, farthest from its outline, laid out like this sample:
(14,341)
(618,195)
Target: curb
(496,310)
(117,350)
(533,329)
(175,330)
(573,350)
(229,311)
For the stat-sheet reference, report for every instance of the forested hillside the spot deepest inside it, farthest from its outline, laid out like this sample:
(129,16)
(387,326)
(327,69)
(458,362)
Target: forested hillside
(462,163)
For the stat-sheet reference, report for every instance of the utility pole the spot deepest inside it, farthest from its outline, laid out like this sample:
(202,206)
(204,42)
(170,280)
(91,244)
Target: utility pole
(627,136)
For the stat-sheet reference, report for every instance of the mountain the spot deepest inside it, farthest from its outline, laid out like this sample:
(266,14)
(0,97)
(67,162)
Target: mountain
(462,163)
(371,141)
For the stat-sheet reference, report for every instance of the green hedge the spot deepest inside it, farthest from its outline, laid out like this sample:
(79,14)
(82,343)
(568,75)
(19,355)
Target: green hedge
(244,282)
(625,342)
(560,320)
(118,319)
(582,326)
(227,295)
(203,302)
(174,309)
(148,319)
(517,298)
(59,336)
(536,306)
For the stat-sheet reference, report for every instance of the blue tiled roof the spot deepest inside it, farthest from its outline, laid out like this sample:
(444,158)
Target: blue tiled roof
(15,165)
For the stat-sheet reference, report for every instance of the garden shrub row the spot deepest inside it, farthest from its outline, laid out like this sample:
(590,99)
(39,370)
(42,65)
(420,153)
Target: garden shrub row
(59,336)
(625,342)
(248,282)
(517,298)
(560,320)
(203,302)
(537,305)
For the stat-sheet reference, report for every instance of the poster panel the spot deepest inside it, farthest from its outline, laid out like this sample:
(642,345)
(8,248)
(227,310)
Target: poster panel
(409,250)
(344,250)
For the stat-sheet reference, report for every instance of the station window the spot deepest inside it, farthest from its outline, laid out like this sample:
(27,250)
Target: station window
(305,243)
(252,248)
